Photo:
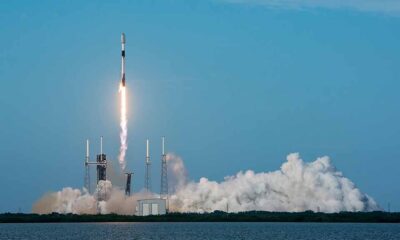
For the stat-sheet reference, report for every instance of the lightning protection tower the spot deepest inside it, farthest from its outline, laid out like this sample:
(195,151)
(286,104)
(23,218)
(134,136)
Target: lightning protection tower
(147,179)
(164,172)
(87,171)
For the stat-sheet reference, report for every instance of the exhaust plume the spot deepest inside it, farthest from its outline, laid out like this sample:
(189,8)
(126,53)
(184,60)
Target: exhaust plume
(76,201)
(177,174)
(296,187)
(124,129)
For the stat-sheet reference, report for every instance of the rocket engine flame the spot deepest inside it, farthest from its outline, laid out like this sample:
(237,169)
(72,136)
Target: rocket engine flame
(124,128)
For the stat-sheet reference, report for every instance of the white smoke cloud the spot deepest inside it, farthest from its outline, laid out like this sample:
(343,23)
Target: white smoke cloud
(177,174)
(76,201)
(297,186)
(67,200)
(391,7)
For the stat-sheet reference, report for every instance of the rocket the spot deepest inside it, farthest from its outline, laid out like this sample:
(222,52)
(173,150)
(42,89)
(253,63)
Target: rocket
(123,59)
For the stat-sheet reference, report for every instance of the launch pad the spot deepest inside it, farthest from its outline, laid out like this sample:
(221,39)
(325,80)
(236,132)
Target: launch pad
(147,206)
(101,166)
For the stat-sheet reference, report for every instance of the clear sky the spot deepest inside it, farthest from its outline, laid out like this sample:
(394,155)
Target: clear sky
(234,85)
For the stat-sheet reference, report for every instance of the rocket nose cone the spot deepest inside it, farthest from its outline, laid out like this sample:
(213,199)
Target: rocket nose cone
(123,38)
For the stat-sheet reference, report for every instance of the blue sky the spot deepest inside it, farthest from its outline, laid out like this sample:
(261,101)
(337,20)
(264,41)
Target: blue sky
(234,85)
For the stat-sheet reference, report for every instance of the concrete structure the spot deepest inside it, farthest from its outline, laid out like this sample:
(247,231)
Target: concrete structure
(154,206)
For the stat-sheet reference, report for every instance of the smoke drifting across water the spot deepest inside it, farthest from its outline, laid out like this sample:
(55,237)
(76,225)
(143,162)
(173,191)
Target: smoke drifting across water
(297,186)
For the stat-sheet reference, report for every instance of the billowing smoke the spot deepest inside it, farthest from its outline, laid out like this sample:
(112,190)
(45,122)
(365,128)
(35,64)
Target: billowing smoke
(297,186)
(124,128)
(177,174)
(68,200)
(76,201)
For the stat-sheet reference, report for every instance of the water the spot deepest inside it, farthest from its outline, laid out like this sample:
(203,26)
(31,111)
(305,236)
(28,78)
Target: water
(192,231)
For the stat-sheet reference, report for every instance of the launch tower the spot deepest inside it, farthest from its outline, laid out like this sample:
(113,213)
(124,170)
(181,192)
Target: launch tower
(128,184)
(164,173)
(147,178)
(101,163)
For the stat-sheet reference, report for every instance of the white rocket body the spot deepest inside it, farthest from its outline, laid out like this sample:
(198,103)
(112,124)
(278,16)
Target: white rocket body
(123,59)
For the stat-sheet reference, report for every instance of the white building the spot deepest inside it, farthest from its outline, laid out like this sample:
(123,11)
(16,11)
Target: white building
(154,206)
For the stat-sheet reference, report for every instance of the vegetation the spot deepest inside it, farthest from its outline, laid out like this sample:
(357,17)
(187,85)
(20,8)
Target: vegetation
(217,216)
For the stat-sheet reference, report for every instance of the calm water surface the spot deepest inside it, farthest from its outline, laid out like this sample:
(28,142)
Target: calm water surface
(190,231)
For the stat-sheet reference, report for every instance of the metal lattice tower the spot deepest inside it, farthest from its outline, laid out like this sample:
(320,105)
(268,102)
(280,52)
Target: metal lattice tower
(147,178)
(128,184)
(164,173)
(101,160)
(100,163)
(87,171)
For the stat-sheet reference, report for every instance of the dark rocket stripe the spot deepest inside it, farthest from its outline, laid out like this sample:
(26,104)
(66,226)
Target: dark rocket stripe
(123,53)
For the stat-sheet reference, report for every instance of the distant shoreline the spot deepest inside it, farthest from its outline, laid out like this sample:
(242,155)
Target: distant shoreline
(217,216)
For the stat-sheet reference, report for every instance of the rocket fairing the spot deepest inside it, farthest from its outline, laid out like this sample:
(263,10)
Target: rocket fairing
(123,59)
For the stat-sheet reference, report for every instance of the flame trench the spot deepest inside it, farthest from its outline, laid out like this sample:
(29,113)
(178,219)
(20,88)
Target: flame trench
(124,129)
